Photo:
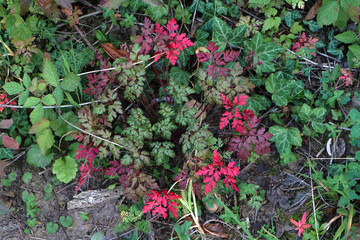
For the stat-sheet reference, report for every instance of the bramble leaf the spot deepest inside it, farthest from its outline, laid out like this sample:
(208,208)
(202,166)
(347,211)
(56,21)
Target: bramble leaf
(13,88)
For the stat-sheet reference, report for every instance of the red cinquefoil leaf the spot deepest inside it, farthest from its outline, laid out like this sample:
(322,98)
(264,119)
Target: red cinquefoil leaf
(9,142)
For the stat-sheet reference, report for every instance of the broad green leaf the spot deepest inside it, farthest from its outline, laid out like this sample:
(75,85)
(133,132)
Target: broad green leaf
(98,236)
(291,16)
(13,88)
(36,114)
(296,28)
(50,73)
(157,14)
(35,158)
(280,89)
(70,82)
(52,227)
(257,103)
(298,89)
(179,75)
(39,126)
(58,95)
(328,13)
(23,96)
(237,36)
(355,130)
(342,19)
(313,26)
(355,49)
(26,80)
(31,102)
(271,23)
(305,113)
(355,115)
(347,37)
(65,169)
(259,2)
(48,100)
(45,139)
(6,153)
(221,34)
(285,137)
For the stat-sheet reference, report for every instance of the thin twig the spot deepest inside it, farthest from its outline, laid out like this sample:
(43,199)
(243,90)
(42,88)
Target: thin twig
(313,201)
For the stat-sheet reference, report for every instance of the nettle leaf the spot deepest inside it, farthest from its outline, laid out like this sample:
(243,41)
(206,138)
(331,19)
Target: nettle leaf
(50,73)
(45,139)
(328,13)
(65,169)
(280,89)
(13,88)
(36,158)
(37,114)
(70,82)
(347,37)
(285,137)
(263,52)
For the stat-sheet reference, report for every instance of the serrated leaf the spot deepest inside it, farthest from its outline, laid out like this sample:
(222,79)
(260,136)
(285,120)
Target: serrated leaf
(355,49)
(50,73)
(347,37)
(280,89)
(58,95)
(39,126)
(13,88)
(296,28)
(36,114)
(48,100)
(355,115)
(35,158)
(26,80)
(291,16)
(285,137)
(45,140)
(65,169)
(23,97)
(9,142)
(70,82)
(31,102)
(328,13)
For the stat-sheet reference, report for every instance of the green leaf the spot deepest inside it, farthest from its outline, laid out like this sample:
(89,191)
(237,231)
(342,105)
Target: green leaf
(50,73)
(70,82)
(238,35)
(39,126)
(27,177)
(280,89)
(52,227)
(291,16)
(313,26)
(37,114)
(271,23)
(328,13)
(48,100)
(347,37)
(179,75)
(65,222)
(355,130)
(58,95)
(13,88)
(257,103)
(98,236)
(35,158)
(23,97)
(71,100)
(355,49)
(157,13)
(26,80)
(285,137)
(65,169)
(45,139)
(355,115)
(305,113)
(6,153)
(296,28)
(221,34)
(31,102)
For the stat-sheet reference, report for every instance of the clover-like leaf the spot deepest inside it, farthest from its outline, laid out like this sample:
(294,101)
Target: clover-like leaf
(52,227)
(65,169)
(65,221)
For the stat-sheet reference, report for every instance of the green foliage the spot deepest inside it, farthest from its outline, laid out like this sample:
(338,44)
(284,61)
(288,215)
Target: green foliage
(52,227)
(183,230)
(249,191)
(84,216)
(27,177)
(285,138)
(31,207)
(11,177)
(48,192)
(65,169)
(131,215)
(65,221)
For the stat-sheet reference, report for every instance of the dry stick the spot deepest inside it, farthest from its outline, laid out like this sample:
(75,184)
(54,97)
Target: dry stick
(84,37)
(17,157)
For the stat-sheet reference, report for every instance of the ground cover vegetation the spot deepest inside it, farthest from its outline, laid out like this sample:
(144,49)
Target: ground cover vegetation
(210,119)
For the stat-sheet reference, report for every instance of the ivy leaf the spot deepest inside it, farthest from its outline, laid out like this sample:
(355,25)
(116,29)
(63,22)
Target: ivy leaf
(70,82)
(65,169)
(35,158)
(157,13)
(328,13)
(313,26)
(285,137)
(50,73)
(291,16)
(179,75)
(45,139)
(37,114)
(224,35)
(347,37)
(13,88)
(280,89)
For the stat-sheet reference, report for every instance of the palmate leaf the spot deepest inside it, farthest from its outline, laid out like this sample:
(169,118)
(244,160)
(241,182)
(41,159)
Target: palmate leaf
(280,89)
(263,52)
(224,35)
(285,137)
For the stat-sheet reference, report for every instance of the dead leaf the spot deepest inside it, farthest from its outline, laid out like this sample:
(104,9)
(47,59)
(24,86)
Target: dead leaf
(112,51)
(2,167)
(9,142)
(313,11)
(6,123)
(215,230)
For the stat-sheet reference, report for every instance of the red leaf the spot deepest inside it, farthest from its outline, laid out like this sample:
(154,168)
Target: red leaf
(9,142)
(240,100)
(6,123)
